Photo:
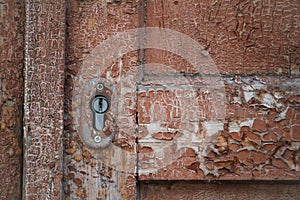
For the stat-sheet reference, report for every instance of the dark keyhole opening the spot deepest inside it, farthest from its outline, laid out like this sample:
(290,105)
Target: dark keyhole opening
(100,104)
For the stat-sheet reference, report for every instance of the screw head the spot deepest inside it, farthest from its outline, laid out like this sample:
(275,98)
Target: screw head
(100,87)
(97,138)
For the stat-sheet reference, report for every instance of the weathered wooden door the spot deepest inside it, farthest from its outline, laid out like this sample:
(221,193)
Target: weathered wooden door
(128,99)
(191,98)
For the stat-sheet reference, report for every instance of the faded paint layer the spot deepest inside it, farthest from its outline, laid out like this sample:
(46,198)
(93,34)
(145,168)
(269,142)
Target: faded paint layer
(92,173)
(43,99)
(258,138)
(242,37)
(171,124)
(181,132)
(220,191)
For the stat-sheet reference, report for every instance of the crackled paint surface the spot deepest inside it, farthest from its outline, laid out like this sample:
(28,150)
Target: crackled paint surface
(257,139)
(179,137)
(174,121)
(99,173)
(243,37)
(187,129)
(43,99)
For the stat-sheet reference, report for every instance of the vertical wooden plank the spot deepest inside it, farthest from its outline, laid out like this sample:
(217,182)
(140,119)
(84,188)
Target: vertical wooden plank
(43,98)
(91,172)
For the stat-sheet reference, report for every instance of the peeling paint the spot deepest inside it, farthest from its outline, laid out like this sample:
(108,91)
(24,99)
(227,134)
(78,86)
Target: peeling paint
(213,127)
(171,124)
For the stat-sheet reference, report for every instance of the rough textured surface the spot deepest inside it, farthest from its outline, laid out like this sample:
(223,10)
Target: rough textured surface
(43,98)
(247,128)
(12,16)
(173,123)
(210,191)
(258,138)
(187,129)
(243,37)
(99,173)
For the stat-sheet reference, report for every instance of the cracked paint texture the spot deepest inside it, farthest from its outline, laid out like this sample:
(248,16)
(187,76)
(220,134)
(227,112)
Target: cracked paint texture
(188,130)
(257,139)
(242,37)
(100,173)
(43,99)
(171,124)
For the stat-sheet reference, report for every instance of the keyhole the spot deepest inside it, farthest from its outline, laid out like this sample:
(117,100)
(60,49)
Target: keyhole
(100,104)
